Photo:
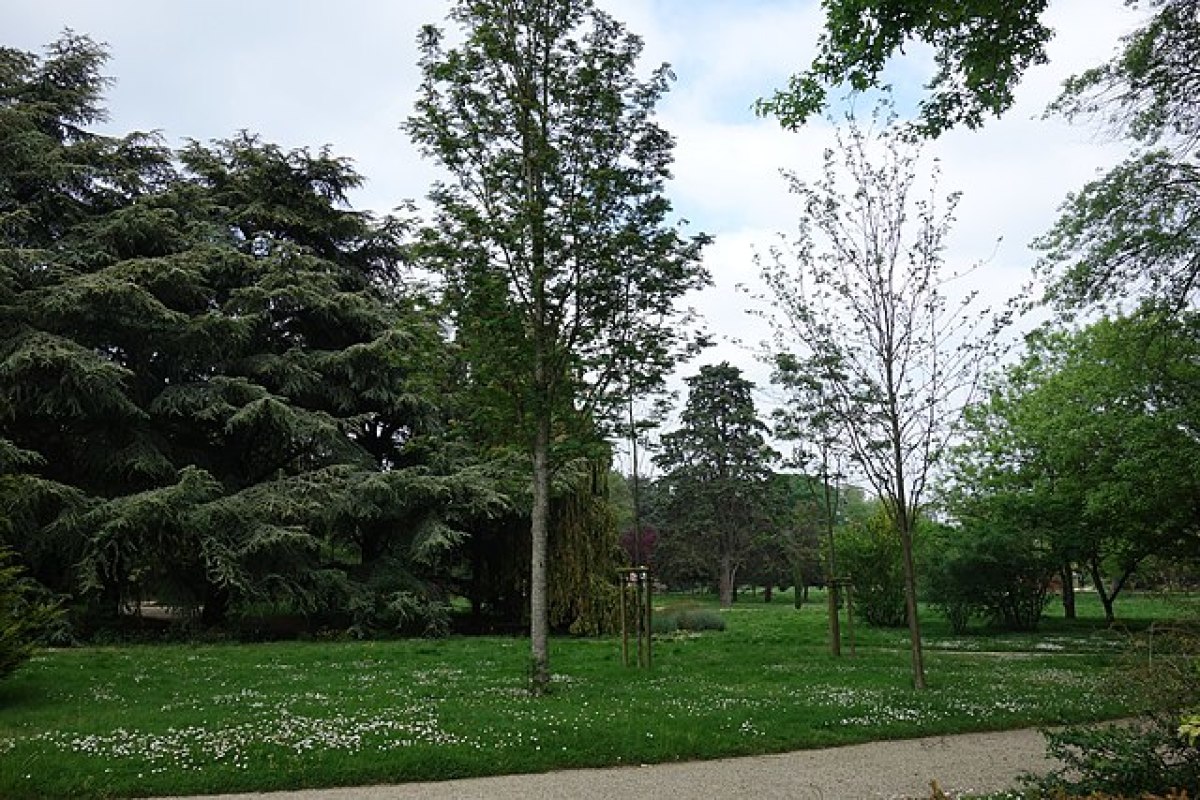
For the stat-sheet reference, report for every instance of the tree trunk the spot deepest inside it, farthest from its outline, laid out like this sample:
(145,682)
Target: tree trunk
(216,606)
(539,606)
(835,632)
(831,589)
(725,582)
(1068,595)
(910,601)
(767,593)
(1106,599)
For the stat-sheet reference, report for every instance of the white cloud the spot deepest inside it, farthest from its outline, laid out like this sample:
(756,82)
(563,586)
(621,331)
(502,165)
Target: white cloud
(308,73)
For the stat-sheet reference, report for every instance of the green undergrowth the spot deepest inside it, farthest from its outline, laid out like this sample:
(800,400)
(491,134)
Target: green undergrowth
(193,719)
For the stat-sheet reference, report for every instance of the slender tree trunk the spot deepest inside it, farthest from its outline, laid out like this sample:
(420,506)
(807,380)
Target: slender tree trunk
(539,606)
(910,604)
(831,591)
(1068,589)
(835,633)
(1106,599)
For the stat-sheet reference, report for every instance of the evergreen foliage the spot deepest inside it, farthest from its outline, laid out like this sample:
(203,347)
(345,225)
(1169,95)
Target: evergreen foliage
(214,389)
(25,615)
(717,472)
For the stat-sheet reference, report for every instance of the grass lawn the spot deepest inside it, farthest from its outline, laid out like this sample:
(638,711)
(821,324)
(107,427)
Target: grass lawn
(191,719)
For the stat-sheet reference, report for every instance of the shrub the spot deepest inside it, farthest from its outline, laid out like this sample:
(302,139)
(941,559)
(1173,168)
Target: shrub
(996,573)
(687,618)
(1157,755)
(1129,761)
(700,619)
(869,551)
(25,615)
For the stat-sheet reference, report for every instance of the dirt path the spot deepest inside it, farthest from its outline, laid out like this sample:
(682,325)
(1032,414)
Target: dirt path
(976,762)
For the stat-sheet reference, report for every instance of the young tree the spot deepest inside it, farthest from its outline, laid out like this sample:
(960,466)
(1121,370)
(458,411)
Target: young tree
(551,237)
(807,420)
(860,295)
(716,471)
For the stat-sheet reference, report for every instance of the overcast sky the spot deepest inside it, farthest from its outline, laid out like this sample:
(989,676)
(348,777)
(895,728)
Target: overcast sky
(307,73)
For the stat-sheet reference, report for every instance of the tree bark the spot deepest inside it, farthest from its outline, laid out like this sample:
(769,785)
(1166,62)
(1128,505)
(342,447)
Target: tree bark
(1106,598)
(835,633)
(725,581)
(831,589)
(1068,596)
(539,607)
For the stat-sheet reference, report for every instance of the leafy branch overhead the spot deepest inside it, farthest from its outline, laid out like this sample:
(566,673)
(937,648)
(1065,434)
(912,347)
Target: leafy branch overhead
(981,48)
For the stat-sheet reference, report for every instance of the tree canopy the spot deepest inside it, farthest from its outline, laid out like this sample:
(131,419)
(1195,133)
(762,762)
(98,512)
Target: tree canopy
(210,375)
(716,473)
(1089,444)
(981,50)
(551,234)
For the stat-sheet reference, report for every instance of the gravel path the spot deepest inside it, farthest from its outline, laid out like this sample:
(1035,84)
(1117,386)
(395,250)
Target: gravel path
(975,762)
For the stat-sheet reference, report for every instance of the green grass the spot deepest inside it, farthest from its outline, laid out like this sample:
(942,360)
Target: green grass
(179,719)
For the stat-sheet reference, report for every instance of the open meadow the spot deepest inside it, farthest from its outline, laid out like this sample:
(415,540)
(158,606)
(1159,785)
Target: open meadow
(189,719)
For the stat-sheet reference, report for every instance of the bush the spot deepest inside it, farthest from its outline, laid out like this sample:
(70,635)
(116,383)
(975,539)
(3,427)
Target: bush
(1127,761)
(869,551)
(1156,755)
(25,615)
(687,618)
(986,571)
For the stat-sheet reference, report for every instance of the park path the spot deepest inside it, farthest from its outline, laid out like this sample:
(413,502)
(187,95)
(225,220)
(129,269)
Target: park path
(974,762)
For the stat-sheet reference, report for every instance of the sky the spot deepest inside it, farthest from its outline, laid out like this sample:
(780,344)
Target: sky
(303,73)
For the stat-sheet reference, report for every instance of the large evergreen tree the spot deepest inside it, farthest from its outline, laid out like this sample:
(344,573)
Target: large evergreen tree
(717,468)
(551,233)
(210,363)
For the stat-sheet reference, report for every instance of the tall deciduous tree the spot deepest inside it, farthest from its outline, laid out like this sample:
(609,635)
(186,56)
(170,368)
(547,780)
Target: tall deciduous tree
(717,466)
(551,231)
(859,295)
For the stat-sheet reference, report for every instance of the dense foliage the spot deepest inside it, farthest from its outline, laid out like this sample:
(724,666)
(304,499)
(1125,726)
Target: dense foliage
(1087,450)
(220,391)
(981,50)
(27,615)
(716,473)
